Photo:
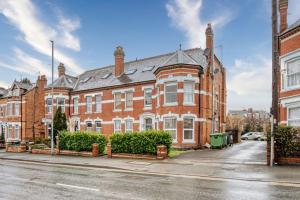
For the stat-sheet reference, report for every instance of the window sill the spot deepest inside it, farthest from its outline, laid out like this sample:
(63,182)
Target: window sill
(290,89)
(147,108)
(98,112)
(188,142)
(170,104)
(128,109)
(88,113)
(189,104)
(119,110)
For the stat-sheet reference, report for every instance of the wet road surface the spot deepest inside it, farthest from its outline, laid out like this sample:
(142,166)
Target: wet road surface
(246,152)
(40,181)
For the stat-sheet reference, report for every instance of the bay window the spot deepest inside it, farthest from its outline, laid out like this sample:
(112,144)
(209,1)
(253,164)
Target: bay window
(118,101)
(89,126)
(98,103)
(294,116)
(17,109)
(61,103)
(293,73)
(128,125)
(89,105)
(75,105)
(170,126)
(117,126)
(148,97)
(188,129)
(171,93)
(49,105)
(98,126)
(17,132)
(189,92)
(129,100)
(157,96)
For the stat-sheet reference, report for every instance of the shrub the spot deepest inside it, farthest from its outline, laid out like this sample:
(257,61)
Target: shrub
(140,142)
(287,141)
(81,141)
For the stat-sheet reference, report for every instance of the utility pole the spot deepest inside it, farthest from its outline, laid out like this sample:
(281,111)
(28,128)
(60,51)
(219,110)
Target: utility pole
(275,65)
(52,126)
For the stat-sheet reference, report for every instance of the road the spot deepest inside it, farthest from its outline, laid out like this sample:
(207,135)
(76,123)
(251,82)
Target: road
(22,180)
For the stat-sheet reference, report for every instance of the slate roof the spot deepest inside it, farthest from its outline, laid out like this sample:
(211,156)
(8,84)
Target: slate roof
(294,25)
(95,78)
(3,91)
(65,81)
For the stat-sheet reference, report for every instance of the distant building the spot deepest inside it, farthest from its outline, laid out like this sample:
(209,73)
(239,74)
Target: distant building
(289,84)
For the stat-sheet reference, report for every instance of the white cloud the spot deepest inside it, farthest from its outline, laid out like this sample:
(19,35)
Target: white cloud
(24,16)
(4,84)
(185,15)
(249,83)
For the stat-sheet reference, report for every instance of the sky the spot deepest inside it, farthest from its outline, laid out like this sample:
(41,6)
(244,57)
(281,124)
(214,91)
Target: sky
(85,34)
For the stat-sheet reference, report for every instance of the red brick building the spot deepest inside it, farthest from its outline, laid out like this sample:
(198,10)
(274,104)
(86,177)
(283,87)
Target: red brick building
(289,42)
(22,110)
(172,91)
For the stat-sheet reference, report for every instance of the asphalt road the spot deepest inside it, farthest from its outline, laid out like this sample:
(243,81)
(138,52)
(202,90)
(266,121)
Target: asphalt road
(41,181)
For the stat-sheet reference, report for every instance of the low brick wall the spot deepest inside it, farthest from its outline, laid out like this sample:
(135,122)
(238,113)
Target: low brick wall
(42,151)
(15,148)
(288,161)
(162,153)
(75,153)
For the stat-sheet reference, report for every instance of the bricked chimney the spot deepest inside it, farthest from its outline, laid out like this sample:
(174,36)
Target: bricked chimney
(119,60)
(283,7)
(61,70)
(210,41)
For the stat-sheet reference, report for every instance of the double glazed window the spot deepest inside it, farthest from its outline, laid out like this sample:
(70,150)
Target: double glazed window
(17,131)
(75,102)
(188,128)
(118,101)
(129,100)
(89,126)
(171,93)
(128,125)
(188,89)
(170,125)
(293,73)
(148,97)
(10,132)
(49,105)
(61,103)
(157,97)
(117,126)
(17,109)
(98,103)
(294,116)
(89,105)
(98,126)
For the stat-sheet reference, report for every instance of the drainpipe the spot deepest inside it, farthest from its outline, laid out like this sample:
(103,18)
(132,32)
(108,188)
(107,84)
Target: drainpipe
(200,106)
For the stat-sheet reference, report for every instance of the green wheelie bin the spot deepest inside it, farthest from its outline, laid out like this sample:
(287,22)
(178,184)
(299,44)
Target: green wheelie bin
(224,136)
(216,140)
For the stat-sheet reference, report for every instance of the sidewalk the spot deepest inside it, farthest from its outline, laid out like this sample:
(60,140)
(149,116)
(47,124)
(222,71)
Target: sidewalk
(249,172)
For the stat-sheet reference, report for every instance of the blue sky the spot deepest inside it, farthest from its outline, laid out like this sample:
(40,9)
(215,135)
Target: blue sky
(87,32)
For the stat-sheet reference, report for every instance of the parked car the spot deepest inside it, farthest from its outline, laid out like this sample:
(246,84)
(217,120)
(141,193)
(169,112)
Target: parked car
(261,136)
(250,136)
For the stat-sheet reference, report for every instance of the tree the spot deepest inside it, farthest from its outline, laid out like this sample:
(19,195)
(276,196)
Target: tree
(59,122)
(259,128)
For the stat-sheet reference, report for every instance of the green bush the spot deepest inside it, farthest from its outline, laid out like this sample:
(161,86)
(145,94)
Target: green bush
(140,142)
(81,141)
(287,141)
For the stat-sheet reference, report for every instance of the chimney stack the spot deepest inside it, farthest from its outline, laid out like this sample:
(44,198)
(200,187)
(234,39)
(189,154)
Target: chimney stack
(210,41)
(119,61)
(61,70)
(283,7)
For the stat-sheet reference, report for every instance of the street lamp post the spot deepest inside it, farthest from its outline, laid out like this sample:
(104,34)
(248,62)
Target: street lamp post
(52,127)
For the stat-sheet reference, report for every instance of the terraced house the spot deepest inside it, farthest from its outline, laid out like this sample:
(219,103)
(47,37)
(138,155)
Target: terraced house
(289,41)
(172,91)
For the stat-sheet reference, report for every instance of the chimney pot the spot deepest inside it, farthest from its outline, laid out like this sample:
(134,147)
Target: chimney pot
(119,60)
(61,70)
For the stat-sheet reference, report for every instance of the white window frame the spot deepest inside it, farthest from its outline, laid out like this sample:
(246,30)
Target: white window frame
(17,109)
(165,93)
(128,129)
(75,105)
(157,96)
(17,132)
(117,130)
(287,75)
(126,100)
(288,114)
(9,131)
(89,129)
(115,102)
(147,91)
(89,105)
(98,129)
(63,109)
(284,60)
(49,106)
(98,105)
(186,92)
(189,129)
(171,129)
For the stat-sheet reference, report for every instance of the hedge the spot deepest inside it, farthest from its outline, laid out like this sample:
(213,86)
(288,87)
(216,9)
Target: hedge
(140,142)
(287,141)
(81,141)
